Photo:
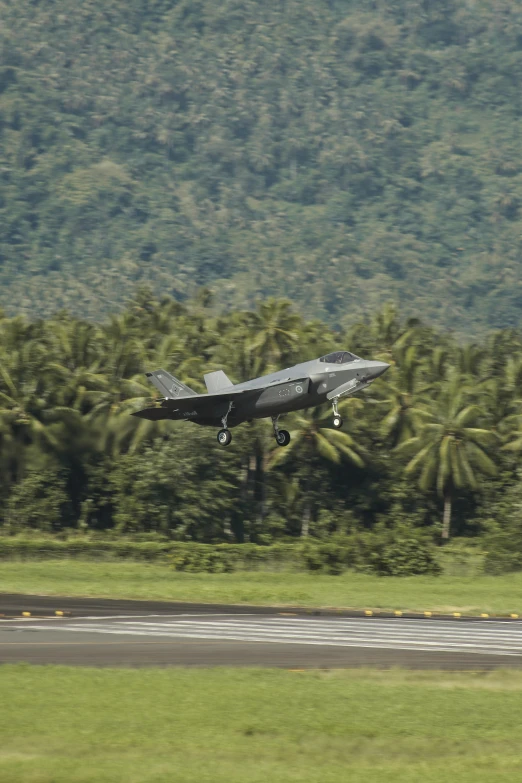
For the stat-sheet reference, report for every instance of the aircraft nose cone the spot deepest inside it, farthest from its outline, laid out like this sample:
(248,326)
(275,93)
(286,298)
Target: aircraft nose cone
(381,369)
(375,369)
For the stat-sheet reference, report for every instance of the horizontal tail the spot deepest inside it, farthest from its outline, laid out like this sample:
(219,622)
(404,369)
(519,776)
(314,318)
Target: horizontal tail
(169,386)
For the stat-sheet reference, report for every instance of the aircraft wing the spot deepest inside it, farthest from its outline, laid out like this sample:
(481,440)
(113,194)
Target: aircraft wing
(170,407)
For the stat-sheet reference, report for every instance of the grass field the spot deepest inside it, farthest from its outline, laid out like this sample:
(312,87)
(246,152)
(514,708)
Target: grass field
(64,725)
(129,579)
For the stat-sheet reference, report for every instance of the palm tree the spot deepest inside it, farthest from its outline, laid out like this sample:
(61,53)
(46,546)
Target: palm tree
(386,328)
(233,334)
(500,388)
(25,406)
(110,414)
(470,359)
(403,394)
(450,446)
(276,333)
(499,348)
(121,390)
(390,335)
(73,363)
(511,423)
(314,441)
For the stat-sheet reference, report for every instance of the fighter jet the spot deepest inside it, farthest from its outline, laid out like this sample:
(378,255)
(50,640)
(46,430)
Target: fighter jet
(305,385)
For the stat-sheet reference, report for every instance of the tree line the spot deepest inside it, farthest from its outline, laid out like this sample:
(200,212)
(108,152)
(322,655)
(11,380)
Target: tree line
(434,444)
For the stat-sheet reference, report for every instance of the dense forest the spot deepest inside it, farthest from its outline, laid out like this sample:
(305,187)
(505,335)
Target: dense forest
(340,153)
(433,445)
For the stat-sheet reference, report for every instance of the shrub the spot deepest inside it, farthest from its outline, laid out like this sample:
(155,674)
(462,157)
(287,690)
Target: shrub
(332,556)
(398,552)
(39,501)
(204,558)
(503,547)
(407,556)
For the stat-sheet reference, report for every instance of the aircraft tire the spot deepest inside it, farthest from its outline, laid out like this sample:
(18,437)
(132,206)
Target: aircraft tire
(338,422)
(224,437)
(283,438)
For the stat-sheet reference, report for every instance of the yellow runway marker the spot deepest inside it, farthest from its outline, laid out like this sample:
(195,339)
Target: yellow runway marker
(484,614)
(59,613)
(26,614)
(397,613)
(514,616)
(457,614)
(427,614)
(368,613)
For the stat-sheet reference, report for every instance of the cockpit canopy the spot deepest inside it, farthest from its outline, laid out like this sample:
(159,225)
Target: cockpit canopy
(339,357)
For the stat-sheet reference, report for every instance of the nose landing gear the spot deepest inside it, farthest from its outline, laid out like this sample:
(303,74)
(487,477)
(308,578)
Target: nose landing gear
(337,419)
(282,436)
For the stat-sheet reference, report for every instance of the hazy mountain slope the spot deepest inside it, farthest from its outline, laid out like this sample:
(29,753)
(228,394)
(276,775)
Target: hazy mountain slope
(341,153)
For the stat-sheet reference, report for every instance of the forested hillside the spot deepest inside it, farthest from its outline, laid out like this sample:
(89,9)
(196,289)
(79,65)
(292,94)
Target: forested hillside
(339,152)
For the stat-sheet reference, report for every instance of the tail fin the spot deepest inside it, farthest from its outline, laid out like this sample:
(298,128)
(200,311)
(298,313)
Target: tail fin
(169,386)
(216,381)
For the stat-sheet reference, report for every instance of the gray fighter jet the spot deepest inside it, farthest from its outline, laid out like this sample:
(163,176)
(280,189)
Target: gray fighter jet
(327,379)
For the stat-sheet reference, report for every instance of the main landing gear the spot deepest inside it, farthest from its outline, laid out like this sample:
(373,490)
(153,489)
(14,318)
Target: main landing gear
(282,436)
(224,436)
(337,419)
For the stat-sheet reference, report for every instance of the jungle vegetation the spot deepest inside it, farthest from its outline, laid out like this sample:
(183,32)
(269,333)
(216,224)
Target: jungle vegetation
(341,153)
(433,446)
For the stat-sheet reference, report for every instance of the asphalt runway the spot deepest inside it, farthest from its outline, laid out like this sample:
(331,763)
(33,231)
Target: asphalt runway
(134,633)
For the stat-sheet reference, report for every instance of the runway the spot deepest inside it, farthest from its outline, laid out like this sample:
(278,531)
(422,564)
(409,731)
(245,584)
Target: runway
(198,636)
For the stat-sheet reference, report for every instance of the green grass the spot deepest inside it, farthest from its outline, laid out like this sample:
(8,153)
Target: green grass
(129,579)
(65,725)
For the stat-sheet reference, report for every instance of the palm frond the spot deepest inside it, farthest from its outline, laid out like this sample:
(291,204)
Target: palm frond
(480,459)
(418,459)
(327,449)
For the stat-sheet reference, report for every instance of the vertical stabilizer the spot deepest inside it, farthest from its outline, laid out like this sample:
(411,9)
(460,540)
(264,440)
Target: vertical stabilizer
(217,381)
(169,386)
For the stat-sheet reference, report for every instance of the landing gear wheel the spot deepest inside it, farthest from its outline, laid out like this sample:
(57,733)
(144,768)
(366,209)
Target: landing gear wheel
(337,422)
(224,437)
(282,437)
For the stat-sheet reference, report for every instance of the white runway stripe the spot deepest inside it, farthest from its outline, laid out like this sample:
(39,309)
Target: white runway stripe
(332,634)
(313,629)
(492,637)
(323,642)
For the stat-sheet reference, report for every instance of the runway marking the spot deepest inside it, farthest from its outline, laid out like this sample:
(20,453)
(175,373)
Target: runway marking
(406,627)
(307,627)
(21,618)
(102,643)
(489,638)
